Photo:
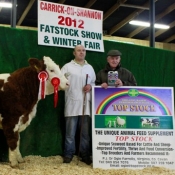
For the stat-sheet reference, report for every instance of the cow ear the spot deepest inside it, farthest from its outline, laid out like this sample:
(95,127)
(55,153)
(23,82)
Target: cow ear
(36,64)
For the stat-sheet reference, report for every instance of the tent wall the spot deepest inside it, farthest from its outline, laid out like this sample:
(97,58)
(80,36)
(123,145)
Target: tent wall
(45,135)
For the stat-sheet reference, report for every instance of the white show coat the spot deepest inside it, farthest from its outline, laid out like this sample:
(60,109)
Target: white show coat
(74,95)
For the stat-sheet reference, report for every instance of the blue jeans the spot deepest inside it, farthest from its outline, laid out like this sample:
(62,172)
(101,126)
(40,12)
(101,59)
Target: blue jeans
(83,122)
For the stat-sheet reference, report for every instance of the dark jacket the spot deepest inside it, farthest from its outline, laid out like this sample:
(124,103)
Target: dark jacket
(124,75)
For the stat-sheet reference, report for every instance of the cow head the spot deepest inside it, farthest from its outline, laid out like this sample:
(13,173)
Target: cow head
(53,70)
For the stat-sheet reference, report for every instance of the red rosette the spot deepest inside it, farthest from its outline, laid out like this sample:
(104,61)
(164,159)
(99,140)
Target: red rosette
(42,76)
(55,82)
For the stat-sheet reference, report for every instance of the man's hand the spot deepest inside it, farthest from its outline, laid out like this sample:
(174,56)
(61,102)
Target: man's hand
(87,88)
(104,85)
(118,83)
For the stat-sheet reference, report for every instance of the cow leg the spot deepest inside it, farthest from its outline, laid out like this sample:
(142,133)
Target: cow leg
(19,157)
(13,144)
(15,156)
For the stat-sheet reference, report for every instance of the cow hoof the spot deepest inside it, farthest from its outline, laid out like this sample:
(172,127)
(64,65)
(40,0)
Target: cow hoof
(21,160)
(15,166)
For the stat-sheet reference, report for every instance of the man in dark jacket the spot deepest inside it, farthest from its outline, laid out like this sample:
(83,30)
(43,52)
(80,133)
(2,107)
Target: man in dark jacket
(125,77)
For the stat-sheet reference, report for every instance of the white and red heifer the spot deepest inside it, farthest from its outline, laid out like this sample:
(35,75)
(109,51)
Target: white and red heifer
(19,98)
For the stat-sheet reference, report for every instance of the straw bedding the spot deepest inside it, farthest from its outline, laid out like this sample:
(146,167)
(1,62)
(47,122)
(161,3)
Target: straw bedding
(37,165)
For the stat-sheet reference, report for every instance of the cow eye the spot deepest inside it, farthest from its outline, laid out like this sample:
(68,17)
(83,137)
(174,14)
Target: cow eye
(51,70)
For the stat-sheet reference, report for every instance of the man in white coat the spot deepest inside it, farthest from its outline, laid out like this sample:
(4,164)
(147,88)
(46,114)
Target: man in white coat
(81,77)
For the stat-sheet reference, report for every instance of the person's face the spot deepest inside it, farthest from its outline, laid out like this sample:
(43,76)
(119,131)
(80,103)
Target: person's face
(79,53)
(113,61)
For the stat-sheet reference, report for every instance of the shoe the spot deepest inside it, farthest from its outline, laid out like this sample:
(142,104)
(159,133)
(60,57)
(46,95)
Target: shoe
(87,160)
(67,160)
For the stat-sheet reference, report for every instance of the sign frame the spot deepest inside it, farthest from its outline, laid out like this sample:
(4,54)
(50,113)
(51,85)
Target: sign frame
(146,136)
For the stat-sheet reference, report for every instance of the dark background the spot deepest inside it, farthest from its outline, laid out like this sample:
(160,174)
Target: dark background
(116,16)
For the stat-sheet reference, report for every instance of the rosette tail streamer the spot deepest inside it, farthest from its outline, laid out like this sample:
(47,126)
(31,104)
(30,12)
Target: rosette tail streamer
(42,76)
(55,82)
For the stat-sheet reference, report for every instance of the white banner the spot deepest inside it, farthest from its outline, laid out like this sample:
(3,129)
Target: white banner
(67,26)
(133,127)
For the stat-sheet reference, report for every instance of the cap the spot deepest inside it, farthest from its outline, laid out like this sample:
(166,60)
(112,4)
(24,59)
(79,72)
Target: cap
(114,53)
